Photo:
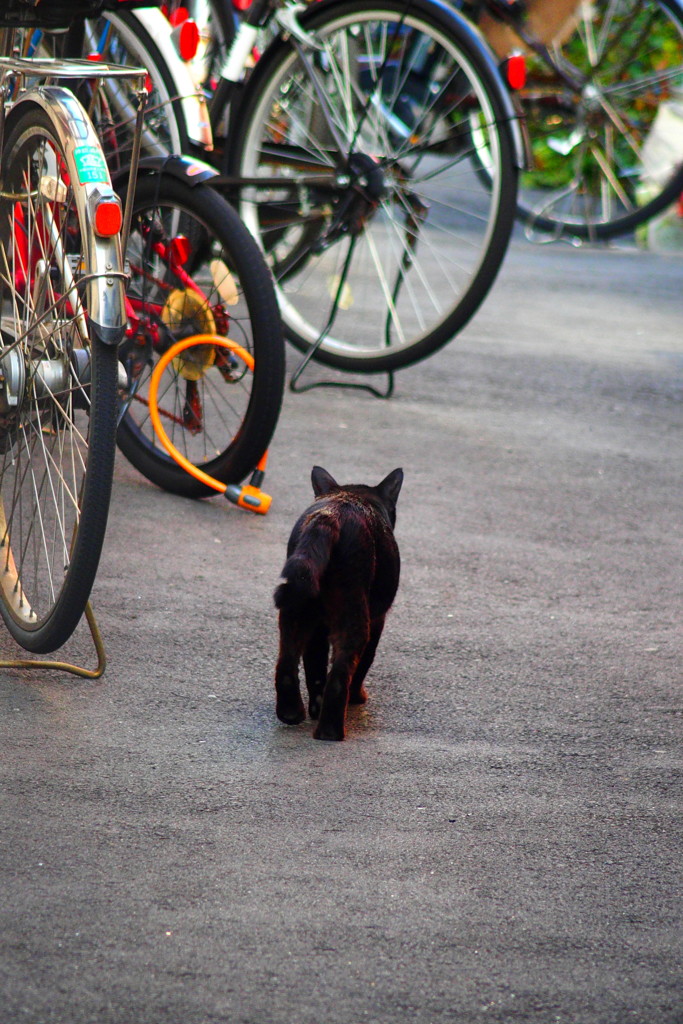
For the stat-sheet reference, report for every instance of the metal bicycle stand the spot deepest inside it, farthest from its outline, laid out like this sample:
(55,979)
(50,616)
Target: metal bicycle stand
(64,666)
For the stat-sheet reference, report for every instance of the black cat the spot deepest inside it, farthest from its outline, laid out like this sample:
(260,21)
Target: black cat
(338,583)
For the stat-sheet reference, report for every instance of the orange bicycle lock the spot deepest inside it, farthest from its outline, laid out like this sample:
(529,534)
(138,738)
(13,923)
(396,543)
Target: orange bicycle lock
(248,496)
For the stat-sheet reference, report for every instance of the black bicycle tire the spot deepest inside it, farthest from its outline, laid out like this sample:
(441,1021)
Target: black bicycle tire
(260,420)
(443,18)
(57,626)
(603,231)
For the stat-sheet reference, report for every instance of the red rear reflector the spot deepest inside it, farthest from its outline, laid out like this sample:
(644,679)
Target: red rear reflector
(241,5)
(108,218)
(180,249)
(188,40)
(515,70)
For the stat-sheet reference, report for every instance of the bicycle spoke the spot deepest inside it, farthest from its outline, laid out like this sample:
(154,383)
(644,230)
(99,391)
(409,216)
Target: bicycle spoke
(604,163)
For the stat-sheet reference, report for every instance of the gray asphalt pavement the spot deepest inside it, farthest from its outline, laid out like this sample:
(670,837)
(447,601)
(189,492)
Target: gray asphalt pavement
(498,839)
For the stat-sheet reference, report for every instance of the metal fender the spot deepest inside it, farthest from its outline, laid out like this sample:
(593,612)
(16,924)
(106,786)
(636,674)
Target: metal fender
(105,292)
(189,170)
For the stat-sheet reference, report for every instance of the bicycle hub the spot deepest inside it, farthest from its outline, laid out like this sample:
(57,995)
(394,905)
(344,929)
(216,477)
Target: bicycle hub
(367,174)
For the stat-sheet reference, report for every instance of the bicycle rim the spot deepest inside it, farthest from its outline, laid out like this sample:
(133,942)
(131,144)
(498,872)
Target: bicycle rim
(194,269)
(58,398)
(383,237)
(607,156)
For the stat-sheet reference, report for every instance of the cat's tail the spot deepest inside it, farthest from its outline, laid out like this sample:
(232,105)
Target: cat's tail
(305,566)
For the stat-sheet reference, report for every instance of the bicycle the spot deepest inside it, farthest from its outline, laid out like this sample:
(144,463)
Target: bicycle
(349,156)
(69,304)
(62,315)
(591,107)
(352,166)
(195,272)
(186,251)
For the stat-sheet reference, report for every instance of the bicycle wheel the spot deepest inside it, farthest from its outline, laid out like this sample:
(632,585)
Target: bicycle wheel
(607,154)
(195,270)
(382,237)
(57,395)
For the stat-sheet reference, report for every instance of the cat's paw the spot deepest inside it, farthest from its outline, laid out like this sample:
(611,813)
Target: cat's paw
(328,733)
(289,712)
(358,696)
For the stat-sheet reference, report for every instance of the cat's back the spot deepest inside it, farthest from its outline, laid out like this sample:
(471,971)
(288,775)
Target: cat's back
(358,525)
(366,545)
(357,514)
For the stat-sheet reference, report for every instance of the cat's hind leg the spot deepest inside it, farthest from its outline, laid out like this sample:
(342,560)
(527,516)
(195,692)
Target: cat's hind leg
(316,656)
(357,692)
(348,642)
(289,706)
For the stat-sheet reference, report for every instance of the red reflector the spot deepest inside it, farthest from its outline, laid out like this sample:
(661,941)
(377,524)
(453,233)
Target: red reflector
(241,5)
(108,218)
(516,71)
(94,56)
(188,41)
(180,249)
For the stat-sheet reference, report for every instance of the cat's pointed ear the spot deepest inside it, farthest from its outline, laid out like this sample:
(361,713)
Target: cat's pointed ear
(322,482)
(390,487)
